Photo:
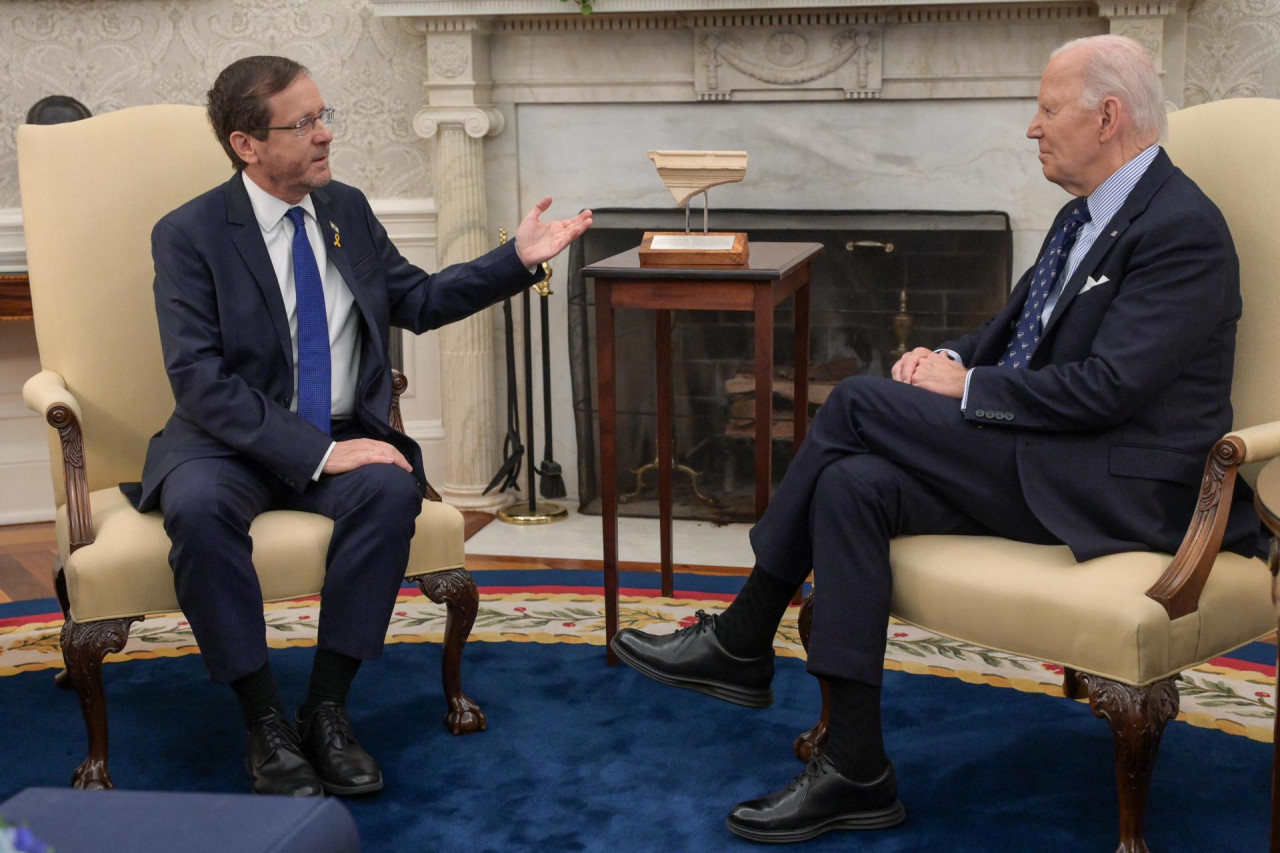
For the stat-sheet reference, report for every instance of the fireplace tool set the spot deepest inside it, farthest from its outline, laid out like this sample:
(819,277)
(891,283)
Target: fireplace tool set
(549,472)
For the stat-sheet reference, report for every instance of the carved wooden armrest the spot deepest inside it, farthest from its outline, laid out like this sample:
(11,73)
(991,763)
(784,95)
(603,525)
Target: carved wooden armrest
(1178,589)
(400,382)
(46,394)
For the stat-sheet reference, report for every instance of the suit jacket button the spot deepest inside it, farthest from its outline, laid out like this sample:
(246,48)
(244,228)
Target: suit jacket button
(284,401)
(1008,416)
(982,413)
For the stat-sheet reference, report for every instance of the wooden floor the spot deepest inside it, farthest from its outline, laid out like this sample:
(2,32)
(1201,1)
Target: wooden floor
(27,553)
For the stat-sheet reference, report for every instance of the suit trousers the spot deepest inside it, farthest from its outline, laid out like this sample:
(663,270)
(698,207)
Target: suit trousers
(208,505)
(882,459)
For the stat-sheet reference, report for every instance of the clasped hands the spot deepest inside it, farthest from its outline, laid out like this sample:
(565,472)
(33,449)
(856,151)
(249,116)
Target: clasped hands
(931,371)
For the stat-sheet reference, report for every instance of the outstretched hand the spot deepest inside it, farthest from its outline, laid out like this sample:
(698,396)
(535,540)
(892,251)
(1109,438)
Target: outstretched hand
(538,241)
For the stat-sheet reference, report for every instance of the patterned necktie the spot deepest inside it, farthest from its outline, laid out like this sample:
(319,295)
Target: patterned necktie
(1048,268)
(314,367)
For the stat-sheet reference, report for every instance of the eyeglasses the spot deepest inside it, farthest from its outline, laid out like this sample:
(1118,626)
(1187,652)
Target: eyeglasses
(305,127)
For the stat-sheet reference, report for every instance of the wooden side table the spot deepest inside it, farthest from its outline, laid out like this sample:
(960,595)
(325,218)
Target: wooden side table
(15,297)
(775,271)
(1266,497)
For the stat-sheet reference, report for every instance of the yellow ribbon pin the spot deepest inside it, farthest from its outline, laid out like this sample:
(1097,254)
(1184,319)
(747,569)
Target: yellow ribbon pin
(337,239)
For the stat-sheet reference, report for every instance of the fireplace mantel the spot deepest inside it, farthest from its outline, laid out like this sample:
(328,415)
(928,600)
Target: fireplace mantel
(665,51)
(606,8)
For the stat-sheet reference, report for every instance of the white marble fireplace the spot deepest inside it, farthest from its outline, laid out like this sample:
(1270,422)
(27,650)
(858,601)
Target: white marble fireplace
(874,106)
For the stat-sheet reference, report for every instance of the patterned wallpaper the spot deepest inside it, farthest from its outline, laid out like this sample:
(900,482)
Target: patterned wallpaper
(1233,50)
(116,53)
(110,54)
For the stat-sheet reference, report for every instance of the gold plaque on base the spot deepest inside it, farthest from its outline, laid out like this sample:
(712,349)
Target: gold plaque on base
(693,249)
(546,513)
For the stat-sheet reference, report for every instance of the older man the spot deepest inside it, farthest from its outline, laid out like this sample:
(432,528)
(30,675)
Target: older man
(1080,414)
(275,294)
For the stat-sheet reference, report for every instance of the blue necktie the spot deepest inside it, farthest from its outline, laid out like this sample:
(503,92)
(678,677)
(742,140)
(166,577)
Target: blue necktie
(1027,333)
(313,330)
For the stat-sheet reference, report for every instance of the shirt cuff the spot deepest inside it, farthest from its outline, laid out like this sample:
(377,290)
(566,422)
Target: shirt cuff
(320,468)
(964,401)
(951,354)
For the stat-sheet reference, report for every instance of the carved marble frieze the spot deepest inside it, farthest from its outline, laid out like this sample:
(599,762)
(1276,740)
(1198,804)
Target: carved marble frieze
(763,63)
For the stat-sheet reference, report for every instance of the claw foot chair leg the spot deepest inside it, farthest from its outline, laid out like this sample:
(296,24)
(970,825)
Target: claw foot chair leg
(84,645)
(810,743)
(457,591)
(1137,716)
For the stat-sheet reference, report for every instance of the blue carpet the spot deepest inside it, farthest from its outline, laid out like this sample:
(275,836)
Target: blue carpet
(582,757)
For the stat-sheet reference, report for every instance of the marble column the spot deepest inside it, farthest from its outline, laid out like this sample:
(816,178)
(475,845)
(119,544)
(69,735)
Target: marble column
(467,387)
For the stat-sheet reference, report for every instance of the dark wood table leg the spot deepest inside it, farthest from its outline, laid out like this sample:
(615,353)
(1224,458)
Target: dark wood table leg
(666,401)
(1274,562)
(763,304)
(801,425)
(802,364)
(605,366)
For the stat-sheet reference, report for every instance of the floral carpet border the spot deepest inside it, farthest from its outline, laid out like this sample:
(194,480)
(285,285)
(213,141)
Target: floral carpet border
(1235,701)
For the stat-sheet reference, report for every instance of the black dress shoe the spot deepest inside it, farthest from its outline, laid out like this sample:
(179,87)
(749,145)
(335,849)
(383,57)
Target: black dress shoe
(819,800)
(694,659)
(275,761)
(341,762)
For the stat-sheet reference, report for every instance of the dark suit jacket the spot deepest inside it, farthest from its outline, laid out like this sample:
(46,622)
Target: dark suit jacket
(1131,382)
(226,339)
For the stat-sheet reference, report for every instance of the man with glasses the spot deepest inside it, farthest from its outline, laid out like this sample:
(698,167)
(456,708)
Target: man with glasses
(275,294)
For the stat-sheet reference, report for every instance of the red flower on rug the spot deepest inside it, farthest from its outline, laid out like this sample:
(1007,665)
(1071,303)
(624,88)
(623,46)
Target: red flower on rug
(688,620)
(1052,667)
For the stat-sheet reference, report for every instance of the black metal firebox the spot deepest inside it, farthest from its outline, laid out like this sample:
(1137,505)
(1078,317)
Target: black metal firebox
(930,276)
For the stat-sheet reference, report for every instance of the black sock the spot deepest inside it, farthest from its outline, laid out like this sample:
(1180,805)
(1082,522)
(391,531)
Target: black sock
(331,677)
(855,743)
(258,694)
(746,629)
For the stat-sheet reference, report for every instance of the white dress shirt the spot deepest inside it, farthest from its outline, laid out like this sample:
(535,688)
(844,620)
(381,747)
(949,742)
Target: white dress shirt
(339,305)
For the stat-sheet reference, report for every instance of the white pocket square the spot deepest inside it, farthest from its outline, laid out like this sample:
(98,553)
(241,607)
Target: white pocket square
(1089,283)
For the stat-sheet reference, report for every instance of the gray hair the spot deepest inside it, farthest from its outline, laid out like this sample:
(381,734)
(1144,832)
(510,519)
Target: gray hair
(1117,66)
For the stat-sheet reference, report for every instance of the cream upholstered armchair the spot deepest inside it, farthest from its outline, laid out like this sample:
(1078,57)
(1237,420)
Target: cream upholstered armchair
(1123,626)
(91,192)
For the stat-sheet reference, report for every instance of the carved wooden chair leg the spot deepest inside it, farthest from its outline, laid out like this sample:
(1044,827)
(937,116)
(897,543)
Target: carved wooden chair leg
(1137,716)
(810,743)
(63,678)
(84,645)
(457,591)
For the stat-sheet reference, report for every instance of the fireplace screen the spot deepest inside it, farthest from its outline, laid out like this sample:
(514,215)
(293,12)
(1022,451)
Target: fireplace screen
(884,280)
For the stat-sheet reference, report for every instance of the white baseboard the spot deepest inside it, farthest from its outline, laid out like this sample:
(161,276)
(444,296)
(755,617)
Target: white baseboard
(27,494)
(430,437)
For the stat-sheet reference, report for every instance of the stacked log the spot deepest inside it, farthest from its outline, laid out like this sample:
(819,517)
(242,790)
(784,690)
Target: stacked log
(741,388)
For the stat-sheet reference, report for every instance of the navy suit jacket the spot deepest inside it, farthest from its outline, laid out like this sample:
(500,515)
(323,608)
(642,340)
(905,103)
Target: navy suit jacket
(1130,384)
(225,335)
